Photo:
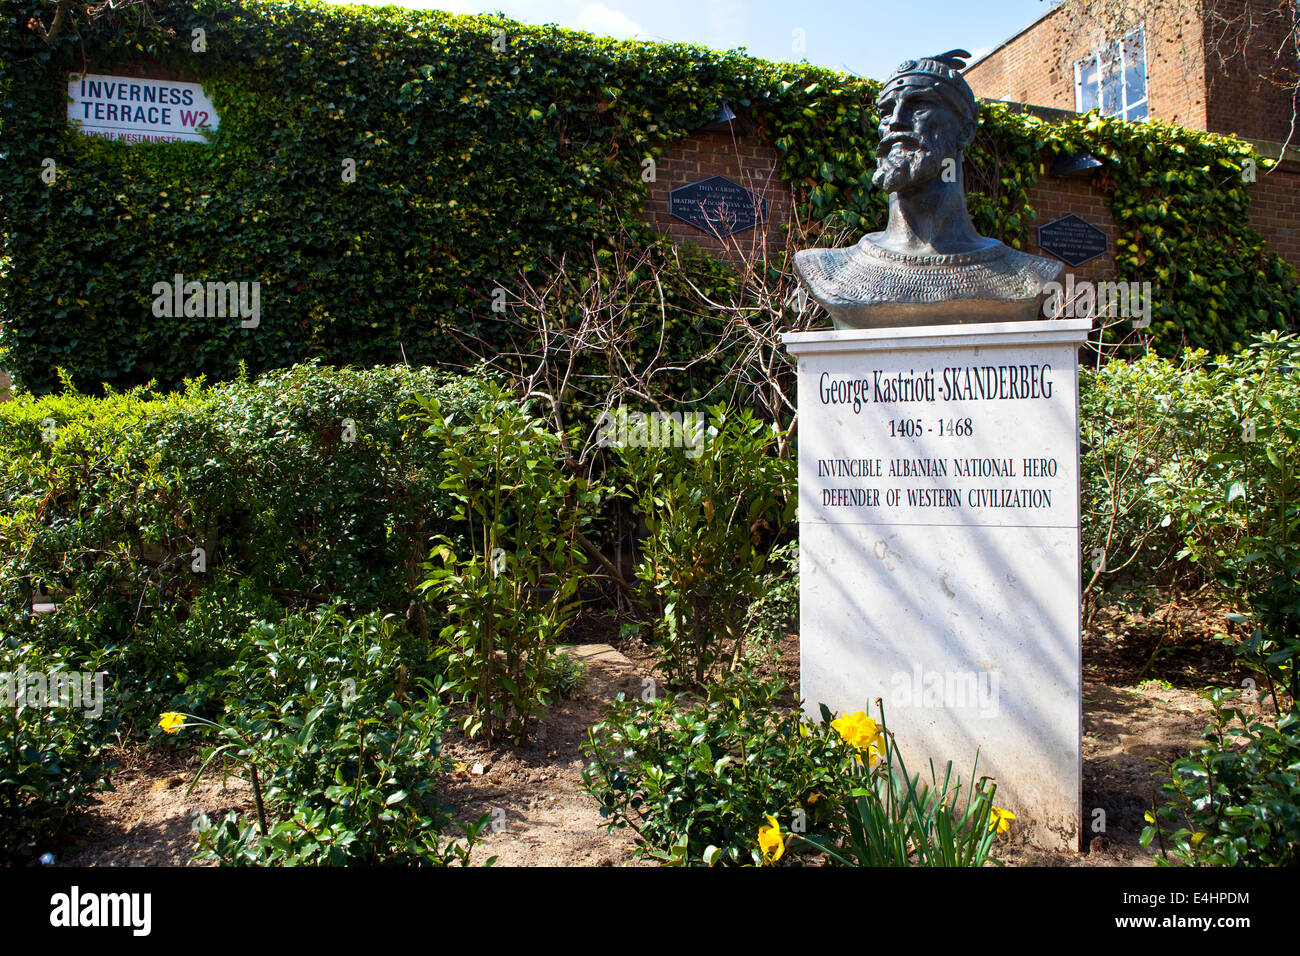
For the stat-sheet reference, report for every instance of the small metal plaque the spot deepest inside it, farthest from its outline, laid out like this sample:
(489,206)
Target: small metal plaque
(717,206)
(1072,240)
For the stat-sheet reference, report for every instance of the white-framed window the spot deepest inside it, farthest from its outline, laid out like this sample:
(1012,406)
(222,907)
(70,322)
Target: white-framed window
(1114,79)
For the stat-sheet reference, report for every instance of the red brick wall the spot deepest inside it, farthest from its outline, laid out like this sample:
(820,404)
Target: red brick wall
(743,159)
(1251,76)
(1020,70)
(1275,210)
(1274,213)
(1053,198)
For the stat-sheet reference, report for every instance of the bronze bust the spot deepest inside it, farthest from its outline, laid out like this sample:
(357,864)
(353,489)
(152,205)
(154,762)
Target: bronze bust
(929,266)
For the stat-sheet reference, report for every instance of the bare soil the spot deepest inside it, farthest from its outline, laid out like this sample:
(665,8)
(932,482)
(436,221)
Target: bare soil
(1142,671)
(1127,731)
(148,818)
(539,814)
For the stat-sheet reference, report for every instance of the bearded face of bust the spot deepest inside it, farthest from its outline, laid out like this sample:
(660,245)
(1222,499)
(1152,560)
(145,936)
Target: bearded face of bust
(929,265)
(918,131)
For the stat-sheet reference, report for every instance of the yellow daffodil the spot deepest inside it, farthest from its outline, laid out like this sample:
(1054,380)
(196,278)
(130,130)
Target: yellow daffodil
(1001,819)
(863,734)
(171,723)
(770,841)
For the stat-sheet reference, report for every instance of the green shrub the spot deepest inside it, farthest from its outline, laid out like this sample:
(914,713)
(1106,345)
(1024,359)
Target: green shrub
(711,517)
(695,780)
(308,657)
(509,587)
(774,614)
(52,758)
(1235,800)
(308,477)
(339,492)
(164,663)
(1214,463)
(303,486)
(1190,469)
(1131,422)
(343,746)
(372,797)
(565,675)
(1235,497)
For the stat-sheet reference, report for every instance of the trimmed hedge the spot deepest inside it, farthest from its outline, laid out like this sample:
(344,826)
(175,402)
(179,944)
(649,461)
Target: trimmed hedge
(473,165)
(106,501)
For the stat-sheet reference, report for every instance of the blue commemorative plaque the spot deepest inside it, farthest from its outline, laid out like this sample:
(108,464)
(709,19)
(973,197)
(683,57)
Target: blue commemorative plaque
(717,206)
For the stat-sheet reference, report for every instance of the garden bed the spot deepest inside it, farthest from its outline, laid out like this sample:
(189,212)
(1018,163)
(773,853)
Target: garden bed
(549,820)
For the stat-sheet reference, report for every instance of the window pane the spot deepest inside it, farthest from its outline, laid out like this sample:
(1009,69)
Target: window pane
(1086,93)
(1137,112)
(1111,81)
(1135,80)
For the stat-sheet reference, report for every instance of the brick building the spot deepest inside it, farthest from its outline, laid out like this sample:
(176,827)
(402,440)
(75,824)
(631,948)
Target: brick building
(1223,66)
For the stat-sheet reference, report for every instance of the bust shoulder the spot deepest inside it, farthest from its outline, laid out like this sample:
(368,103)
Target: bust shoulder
(867,284)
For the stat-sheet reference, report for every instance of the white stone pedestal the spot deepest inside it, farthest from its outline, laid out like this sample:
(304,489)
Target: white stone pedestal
(939,549)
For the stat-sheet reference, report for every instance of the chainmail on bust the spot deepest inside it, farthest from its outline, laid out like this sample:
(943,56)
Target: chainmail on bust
(866,273)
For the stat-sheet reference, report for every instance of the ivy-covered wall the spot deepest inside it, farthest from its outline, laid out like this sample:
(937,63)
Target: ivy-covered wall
(476,159)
